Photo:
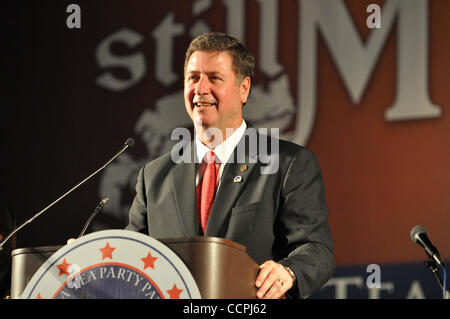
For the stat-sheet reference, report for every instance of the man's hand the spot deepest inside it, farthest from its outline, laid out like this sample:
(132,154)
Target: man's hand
(273,280)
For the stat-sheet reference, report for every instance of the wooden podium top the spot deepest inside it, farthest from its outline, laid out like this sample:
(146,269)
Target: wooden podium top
(221,268)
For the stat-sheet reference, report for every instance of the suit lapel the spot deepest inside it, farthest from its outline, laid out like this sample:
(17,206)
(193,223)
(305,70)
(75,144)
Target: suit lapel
(183,187)
(231,187)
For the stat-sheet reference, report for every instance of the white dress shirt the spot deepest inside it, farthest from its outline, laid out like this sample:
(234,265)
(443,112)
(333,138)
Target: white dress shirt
(223,152)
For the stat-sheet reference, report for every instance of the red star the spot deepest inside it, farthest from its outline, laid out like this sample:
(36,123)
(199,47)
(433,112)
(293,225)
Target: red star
(107,251)
(174,293)
(149,261)
(63,268)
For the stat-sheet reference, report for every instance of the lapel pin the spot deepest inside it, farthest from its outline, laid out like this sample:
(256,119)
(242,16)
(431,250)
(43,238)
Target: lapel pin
(243,167)
(237,179)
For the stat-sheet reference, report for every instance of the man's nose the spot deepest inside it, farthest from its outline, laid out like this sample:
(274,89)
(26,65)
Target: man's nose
(203,86)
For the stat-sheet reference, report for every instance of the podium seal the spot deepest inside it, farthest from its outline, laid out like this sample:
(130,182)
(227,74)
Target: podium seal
(113,264)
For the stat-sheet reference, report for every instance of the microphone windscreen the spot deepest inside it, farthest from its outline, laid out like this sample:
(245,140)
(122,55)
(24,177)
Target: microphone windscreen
(129,142)
(418,229)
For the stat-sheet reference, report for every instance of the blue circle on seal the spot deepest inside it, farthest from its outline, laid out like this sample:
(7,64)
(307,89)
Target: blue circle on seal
(106,281)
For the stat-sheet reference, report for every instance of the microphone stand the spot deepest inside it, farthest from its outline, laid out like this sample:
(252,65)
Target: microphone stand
(432,265)
(129,143)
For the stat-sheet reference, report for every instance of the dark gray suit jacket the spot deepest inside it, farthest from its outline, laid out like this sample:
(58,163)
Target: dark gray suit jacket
(280,216)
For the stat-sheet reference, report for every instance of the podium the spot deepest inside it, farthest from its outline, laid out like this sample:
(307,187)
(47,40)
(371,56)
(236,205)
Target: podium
(220,268)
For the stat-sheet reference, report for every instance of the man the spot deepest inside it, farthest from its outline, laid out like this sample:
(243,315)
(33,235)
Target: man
(280,215)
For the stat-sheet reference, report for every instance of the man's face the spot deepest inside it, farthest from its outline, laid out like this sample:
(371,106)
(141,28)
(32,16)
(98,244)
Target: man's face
(212,95)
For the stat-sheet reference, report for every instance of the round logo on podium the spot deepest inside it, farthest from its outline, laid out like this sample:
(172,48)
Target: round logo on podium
(113,264)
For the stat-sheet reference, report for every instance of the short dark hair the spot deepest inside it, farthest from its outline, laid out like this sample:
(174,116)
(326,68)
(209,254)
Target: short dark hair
(243,62)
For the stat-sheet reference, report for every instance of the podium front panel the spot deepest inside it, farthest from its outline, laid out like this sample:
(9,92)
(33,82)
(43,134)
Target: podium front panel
(219,267)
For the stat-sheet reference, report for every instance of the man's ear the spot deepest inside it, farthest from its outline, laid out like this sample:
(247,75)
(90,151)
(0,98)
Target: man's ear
(245,89)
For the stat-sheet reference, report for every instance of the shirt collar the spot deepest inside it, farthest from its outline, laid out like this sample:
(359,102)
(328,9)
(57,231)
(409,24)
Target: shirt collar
(224,150)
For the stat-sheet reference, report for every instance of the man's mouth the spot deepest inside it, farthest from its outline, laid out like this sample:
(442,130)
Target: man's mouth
(204,104)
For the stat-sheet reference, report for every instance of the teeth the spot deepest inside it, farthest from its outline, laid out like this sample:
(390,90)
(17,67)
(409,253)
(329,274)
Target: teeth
(204,104)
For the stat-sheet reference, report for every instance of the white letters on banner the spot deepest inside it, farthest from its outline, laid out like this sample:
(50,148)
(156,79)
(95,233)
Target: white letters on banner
(134,63)
(342,286)
(356,62)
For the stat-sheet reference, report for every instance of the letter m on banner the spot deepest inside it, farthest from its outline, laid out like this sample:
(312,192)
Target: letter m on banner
(355,61)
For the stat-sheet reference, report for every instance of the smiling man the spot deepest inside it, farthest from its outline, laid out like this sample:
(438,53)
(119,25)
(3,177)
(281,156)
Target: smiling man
(214,93)
(281,217)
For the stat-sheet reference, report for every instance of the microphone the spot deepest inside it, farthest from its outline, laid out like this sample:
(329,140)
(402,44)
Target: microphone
(128,143)
(96,210)
(419,235)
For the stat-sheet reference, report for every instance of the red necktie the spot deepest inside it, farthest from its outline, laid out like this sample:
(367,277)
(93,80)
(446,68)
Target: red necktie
(206,189)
